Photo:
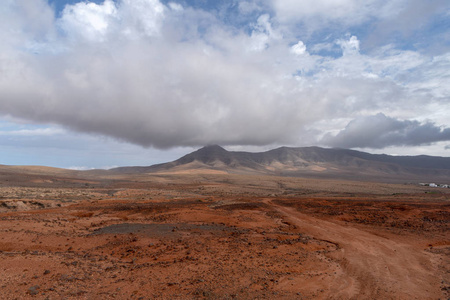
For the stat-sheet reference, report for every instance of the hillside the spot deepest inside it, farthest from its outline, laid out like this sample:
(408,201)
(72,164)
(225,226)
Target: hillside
(308,162)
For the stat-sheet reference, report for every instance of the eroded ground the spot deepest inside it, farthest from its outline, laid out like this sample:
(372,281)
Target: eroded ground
(218,236)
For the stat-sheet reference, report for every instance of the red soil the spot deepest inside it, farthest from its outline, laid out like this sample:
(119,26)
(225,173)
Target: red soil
(223,237)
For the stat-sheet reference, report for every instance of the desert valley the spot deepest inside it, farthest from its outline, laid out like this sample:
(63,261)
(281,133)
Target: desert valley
(114,183)
(290,223)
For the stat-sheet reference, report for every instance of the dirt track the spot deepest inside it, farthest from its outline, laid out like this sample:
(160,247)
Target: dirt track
(222,237)
(373,266)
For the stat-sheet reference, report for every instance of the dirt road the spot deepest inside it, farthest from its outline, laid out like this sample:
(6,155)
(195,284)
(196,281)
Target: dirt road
(222,237)
(375,266)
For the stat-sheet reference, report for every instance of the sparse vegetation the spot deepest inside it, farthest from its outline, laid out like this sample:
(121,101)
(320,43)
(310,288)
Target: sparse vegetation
(210,236)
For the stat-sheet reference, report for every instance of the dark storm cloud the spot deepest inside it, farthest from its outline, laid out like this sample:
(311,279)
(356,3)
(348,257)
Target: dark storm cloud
(380,131)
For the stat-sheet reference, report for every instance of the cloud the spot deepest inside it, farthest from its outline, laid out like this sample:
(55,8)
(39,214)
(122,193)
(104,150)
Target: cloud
(408,24)
(291,9)
(84,168)
(32,132)
(87,20)
(249,7)
(117,77)
(126,19)
(400,21)
(299,48)
(379,131)
(172,75)
(349,47)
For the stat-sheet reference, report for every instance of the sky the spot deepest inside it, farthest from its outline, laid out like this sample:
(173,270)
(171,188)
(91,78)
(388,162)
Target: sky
(99,84)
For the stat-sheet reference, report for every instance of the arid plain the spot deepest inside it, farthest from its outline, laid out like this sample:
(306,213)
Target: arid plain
(211,235)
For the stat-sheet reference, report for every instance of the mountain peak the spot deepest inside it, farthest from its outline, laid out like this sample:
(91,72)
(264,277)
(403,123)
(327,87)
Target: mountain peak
(211,151)
(314,162)
(206,154)
(214,148)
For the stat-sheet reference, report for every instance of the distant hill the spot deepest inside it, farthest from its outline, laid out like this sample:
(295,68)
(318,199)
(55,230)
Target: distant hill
(40,175)
(308,162)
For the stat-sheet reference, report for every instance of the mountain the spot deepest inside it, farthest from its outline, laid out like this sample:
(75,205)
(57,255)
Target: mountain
(307,162)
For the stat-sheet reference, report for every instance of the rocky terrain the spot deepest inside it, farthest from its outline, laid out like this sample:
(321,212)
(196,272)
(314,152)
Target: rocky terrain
(312,162)
(207,235)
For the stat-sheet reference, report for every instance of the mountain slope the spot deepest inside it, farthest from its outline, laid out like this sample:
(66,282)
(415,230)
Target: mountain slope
(309,162)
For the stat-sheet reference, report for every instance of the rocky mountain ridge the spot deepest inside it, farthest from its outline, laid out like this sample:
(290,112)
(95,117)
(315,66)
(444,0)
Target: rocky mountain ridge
(308,162)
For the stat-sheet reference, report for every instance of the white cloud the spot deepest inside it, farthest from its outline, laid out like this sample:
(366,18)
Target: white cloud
(33,132)
(297,11)
(97,22)
(141,17)
(166,76)
(263,34)
(175,6)
(349,47)
(84,168)
(248,7)
(299,48)
(387,21)
(88,20)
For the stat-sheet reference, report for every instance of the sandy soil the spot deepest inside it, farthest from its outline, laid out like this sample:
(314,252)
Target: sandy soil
(216,236)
